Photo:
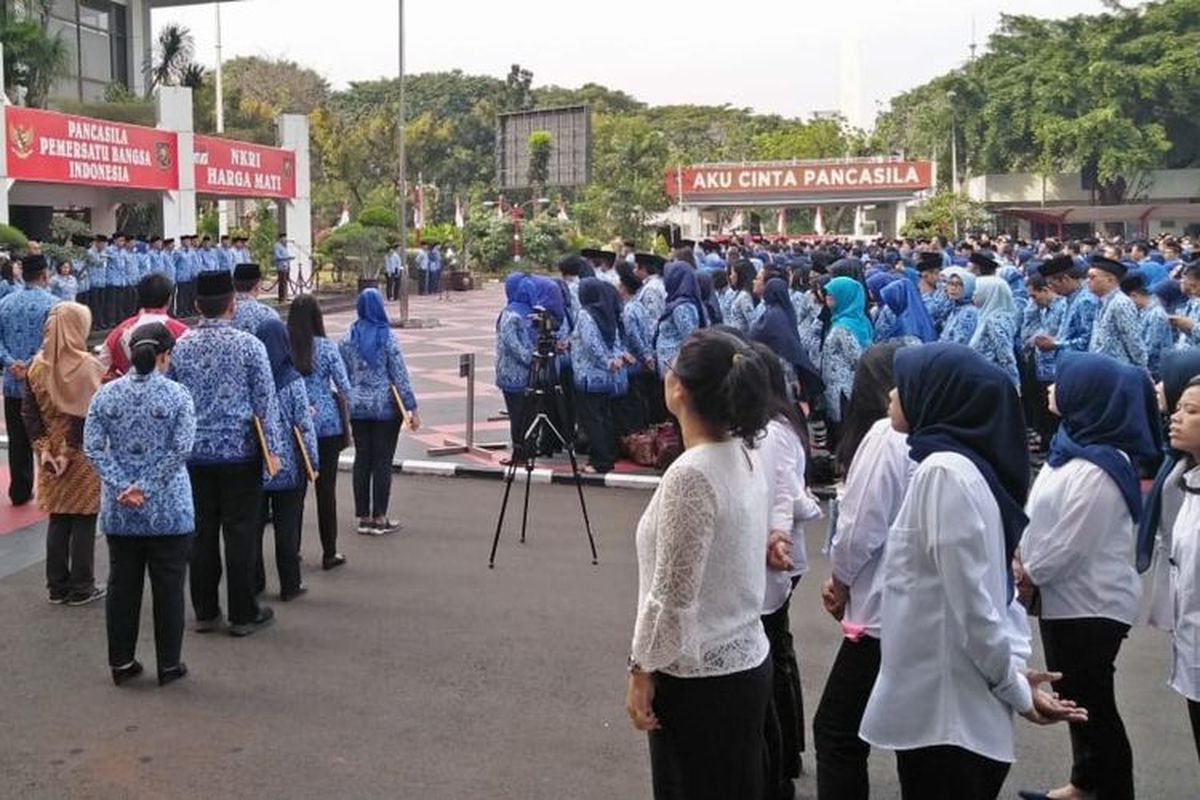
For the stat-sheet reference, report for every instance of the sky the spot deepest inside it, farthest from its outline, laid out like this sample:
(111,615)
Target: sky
(791,57)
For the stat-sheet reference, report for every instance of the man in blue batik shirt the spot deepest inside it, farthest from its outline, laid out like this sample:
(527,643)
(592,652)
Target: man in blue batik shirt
(225,257)
(229,376)
(207,256)
(393,266)
(114,257)
(250,313)
(1075,333)
(283,265)
(241,253)
(97,279)
(132,264)
(1115,332)
(22,320)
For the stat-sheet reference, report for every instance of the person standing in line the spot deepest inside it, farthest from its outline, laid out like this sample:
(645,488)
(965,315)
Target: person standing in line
(225,258)
(375,366)
(699,667)
(1042,316)
(682,314)
(283,266)
(741,308)
(229,376)
(319,362)
(933,294)
(64,285)
(10,277)
(1078,553)
(95,260)
(952,644)
(250,313)
(653,294)
(598,361)
(1153,326)
(138,436)
(62,378)
(995,336)
(283,492)
(964,316)
(154,296)
(241,253)
(1115,333)
(849,336)
(132,264)
(393,264)
(1075,333)
(22,321)
(435,269)
(114,291)
(515,344)
(632,410)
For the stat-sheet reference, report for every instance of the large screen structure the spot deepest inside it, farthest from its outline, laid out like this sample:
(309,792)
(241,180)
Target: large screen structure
(570,130)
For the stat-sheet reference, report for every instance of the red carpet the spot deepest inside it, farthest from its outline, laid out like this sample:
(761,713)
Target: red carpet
(14,519)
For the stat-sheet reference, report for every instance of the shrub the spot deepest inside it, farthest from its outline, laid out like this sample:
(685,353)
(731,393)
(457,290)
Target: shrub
(11,238)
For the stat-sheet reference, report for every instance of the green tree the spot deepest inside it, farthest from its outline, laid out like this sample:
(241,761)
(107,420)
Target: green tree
(172,60)
(32,57)
(937,215)
(628,167)
(541,146)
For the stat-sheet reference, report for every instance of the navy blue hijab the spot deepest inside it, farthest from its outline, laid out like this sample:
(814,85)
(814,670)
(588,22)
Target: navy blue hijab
(956,401)
(370,332)
(274,336)
(776,327)
(603,304)
(1107,408)
(708,297)
(912,318)
(679,279)
(1178,367)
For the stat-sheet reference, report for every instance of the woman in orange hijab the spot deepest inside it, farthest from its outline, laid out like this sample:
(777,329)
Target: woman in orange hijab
(61,381)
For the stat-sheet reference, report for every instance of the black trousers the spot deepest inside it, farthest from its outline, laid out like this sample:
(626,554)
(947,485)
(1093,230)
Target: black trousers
(784,725)
(329,448)
(374,449)
(129,559)
(841,755)
(1085,652)
(1194,716)
(629,410)
(514,404)
(945,772)
(596,417)
(650,387)
(285,511)
(228,501)
(1035,398)
(71,555)
(20,454)
(393,287)
(112,305)
(710,744)
(185,300)
(281,282)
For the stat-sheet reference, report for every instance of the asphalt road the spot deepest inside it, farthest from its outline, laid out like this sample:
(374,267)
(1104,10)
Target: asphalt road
(416,672)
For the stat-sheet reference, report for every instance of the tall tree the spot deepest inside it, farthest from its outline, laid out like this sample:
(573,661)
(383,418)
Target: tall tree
(174,49)
(33,58)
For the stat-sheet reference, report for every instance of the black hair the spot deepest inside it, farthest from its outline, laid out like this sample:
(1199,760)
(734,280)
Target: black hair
(154,290)
(6,271)
(799,279)
(213,307)
(779,404)
(305,323)
(685,254)
(873,380)
(743,276)
(571,266)
(147,343)
(246,286)
(726,380)
(1036,281)
(628,278)
(720,279)
(1192,271)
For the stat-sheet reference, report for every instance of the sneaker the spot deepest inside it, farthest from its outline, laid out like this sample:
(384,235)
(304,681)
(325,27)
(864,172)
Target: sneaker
(387,526)
(208,625)
(97,593)
(58,599)
(367,528)
(265,616)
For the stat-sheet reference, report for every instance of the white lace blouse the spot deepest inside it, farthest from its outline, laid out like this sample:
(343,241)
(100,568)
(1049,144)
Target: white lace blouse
(701,547)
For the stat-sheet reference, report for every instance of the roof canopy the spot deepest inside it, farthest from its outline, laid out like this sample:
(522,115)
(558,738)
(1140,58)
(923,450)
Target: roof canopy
(1070,215)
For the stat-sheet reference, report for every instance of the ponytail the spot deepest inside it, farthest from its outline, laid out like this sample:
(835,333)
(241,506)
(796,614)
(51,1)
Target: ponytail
(727,381)
(144,356)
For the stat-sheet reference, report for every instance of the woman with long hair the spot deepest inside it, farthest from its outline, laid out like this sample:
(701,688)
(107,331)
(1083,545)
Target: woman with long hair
(318,361)
(700,672)
(139,434)
(516,341)
(378,376)
(741,308)
(60,383)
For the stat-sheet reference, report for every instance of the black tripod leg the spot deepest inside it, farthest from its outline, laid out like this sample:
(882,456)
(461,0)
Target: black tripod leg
(511,473)
(525,512)
(587,523)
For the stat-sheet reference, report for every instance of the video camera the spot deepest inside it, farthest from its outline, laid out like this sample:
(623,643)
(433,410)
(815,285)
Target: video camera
(544,324)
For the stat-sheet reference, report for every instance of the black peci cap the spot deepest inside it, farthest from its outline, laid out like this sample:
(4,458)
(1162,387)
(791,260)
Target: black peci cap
(650,261)
(1115,268)
(214,284)
(247,272)
(1058,265)
(595,254)
(927,261)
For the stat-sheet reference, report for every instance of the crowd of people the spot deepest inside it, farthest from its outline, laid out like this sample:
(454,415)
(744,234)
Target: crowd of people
(178,439)
(943,376)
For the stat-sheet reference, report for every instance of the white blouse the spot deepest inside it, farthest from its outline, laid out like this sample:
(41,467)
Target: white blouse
(953,647)
(1078,548)
(791,505)
(1185,593)
(702,545)
(875,485)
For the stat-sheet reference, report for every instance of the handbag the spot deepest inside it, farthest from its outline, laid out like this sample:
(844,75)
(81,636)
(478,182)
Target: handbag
(668,444)
(639,447)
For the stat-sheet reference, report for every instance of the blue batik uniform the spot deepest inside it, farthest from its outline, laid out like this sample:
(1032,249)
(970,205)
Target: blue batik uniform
(1191,338)
(64,287)
(391,264)
(281,257)
(249,313)
(1115,332)
(145,263)
(22,321)
(133,267)
(514,351)
(82,281)
(1040,321)
(327,370)
(671,332)
(241,255)
(590,358)
(225,258)
(115,258)
(228,374)
(839,359)
(639,336)
(1156,334)
(960,325)
(653,296)
(885,321)
(97,268)
(808,324)
(7,288)
(725,300)
(1080,317)
(741,312)
(140,431)
(995,343)
(208,260)
(370,393)
(295,413)
(939,308)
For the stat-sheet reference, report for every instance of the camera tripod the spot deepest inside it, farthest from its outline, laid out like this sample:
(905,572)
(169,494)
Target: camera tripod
(541,390)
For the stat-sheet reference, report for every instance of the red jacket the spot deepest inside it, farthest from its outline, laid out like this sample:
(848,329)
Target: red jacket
(116,353)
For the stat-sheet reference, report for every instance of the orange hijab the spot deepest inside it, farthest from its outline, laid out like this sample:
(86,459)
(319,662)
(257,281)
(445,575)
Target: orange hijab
(72,373)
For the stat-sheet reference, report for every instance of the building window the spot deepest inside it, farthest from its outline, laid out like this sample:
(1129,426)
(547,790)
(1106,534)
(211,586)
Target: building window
(95,33)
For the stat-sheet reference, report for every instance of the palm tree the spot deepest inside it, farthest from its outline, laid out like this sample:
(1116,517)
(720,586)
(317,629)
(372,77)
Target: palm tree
(32,59)
(173,52)
(192,76)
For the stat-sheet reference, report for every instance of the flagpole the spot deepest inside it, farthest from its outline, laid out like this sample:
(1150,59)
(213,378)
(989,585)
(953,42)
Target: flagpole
(401,185)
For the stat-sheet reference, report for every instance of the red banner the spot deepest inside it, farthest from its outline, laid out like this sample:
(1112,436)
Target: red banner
(784,179)
(230,168)
(61,148)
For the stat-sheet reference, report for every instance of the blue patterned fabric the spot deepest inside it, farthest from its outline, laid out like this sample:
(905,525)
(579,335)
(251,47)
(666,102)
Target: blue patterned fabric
(249,313)
(1038,321)
(839,359)
(115,261)
(227,372)
(653,295)
(97,268)
(1191,310)
(960,325)
(1157,336)
(328,374)
(294,413)
(939,307)
(639,335)
(7,288)
(591,356)
(514,351)
(993,339)
(882,325)
(808,324)
(22,318)
(370,392)
(1076,331)
(208,260)
(139,432)
(741,312)
(64,287)
(1115,332)
(725,301)
(671,332)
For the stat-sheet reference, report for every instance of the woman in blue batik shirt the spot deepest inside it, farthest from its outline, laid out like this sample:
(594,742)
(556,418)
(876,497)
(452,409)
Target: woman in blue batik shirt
(598,359)
(683,314)
(911,323)
(377,374)
(724,291)
(741,308)
(995,335)
(63,284)
(960,289)
(318,361)
(631,410)
(884,318)
(515,341)
(283,493)
(808,314)
(849,335)
(1154,328)
(10,277)
(138,435)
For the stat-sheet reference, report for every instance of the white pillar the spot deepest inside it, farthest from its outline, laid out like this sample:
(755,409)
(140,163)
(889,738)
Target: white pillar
(297,212)
(104,218)
(140,48)
(901,217)
(5,183)
(179,207)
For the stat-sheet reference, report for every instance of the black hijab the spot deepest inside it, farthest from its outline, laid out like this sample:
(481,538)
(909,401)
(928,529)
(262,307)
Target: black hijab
(603,304)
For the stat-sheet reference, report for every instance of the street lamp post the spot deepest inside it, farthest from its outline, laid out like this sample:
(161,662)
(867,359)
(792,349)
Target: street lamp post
(951,95)
(402,186)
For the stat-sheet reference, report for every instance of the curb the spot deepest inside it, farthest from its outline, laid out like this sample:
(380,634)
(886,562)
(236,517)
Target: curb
(611,480)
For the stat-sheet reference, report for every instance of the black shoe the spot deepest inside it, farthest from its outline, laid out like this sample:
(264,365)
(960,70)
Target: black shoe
(172,674)
(58,599)
(121,675)
(265,615)
(97,593)
(289,596)
(208,625)
(388,526)
(1025,794)
(333,562)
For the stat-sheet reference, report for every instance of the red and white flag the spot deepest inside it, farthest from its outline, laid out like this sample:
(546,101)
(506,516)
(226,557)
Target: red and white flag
(345,217)
(819,222)
(419,207)
(781,222)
